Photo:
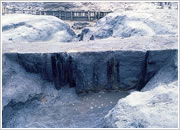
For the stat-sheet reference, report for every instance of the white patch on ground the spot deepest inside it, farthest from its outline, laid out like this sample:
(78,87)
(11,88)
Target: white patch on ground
(32,28)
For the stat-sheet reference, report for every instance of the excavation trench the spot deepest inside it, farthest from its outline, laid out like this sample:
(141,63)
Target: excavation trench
(99,78)
(95,71)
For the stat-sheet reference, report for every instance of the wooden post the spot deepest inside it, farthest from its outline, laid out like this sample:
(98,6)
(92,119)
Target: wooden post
(71,16)
(65,14)
(89,16)
(13,10)
(94,15)
(3,10)
(59,14)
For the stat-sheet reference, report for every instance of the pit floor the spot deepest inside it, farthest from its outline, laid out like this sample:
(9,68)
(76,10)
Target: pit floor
(65,110)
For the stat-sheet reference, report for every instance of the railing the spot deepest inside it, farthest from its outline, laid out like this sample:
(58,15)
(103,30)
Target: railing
(64,15)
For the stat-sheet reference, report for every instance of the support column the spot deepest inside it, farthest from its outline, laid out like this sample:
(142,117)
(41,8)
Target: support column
(60,14)
(71,16)
(89,16)
(65,14)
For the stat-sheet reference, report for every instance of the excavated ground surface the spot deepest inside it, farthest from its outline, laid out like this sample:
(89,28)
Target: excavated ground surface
(93,66)
(67,110)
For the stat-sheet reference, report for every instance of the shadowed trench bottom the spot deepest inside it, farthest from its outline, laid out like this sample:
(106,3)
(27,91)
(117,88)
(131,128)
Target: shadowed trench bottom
(65,110)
